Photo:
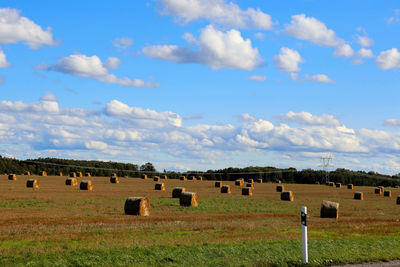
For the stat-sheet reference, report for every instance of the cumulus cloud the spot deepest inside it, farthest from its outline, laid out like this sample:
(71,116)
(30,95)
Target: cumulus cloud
(15,28)
(313,30)
(91,67)
(307,118)
(217,12)
(389,59)
(288,60)
(345,50)
(3,60)
(258,78)
(321,78)
(365,41)
(216,49)
(123,42)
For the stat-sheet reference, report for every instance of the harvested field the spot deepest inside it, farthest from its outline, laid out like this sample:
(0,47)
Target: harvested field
(63,220)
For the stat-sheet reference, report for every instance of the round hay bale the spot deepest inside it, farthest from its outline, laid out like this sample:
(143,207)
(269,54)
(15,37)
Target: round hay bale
(280,188)
(278,181)
(338,185)
(182,178)
(59,174)
(239,182)
(139,206)
(79,174)
(144,176)
(86,185)
(398,200)
(200,178)
(156,179)
(378,191)
(189,199)
(114,174)
(72,181)
(226,189)
(218,184)
(247,191)
(329,209)
(72,174)
(332,184)
(359,195)
(260,181)
(177,191)
(192,178)
(43,173)
(350,186)
(250,181)
(387,193)
(114,180)
(316,182)
(12,177)
(159,186)
(250,185)
(164,177)
(88,174)
(27,173)
(287,196)
(32,183)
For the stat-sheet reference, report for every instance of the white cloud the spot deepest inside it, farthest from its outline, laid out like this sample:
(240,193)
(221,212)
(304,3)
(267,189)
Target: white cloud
(188,37)
(389,59)
(344,50)
(217,12)
(322,78)
(91,67)
(216,49)
(347,51)
(258,78)
(112,63)
(123,42)
(3,60)
(15,28)
(96,145)
(395,18)
(313,30)
(288,60)
(365,41)
(392,123)
(259,35)
(307,118)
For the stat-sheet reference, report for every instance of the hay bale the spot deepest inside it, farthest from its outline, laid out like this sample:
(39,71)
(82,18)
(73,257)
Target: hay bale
(114,180)
(250,185)
(350,186)
(260,181)
(156,179)
(250,181)
(159,186)
(316,182)
(359,195)
(114,174)
(398,200)
(144,176)
(12,177)
(79,174)
(86,185)
(72,181)
(378,191)
(32,183)
(280,188)
(387,193)
(278,181)
(332,184)
(218,184)
(164,177)
(226,189)
(42,173)
(200,178)
(177,191)
(88,174)
(72,174)
(338,185)
(239,182)
(192,178)
(287,196)
(182,178)
(137,206)
(27,173)
(189,199)
(329,209)
(247,191)
(59,174)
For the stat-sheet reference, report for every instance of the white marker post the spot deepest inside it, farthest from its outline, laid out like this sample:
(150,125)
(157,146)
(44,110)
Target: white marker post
(304,233)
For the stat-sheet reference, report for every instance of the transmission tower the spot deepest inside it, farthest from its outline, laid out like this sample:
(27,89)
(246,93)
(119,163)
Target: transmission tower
(326,164)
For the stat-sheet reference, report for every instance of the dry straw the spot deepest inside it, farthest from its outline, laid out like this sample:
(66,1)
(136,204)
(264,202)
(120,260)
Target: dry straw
(329,209)
(32,183)
(86,185)
(72,181)
(280,188)
(218,184)
(359,195)
(226,189)
(177,191)
(144,176)
(159,186)
(189,199)
(114,180)
(12,177)
(239,182)
(137,206)
(247,191)
(287,196)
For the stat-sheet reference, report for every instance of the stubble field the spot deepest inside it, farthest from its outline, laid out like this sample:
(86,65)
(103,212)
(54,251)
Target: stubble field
(62,225)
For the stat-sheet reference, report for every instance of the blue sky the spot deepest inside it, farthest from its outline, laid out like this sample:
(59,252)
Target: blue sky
(202,84)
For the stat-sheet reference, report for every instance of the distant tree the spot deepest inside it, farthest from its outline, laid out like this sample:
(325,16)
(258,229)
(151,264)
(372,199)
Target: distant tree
(148,167)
